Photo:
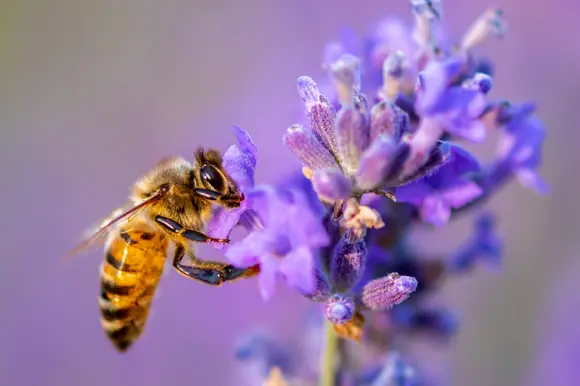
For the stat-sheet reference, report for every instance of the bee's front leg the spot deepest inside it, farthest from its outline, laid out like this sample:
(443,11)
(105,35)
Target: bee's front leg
(210,272)
(189,234)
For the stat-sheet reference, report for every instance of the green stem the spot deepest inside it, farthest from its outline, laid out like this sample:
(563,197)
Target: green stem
(327,368)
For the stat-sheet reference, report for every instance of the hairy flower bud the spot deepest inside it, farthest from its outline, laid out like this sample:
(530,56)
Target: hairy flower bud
(308,148)
(388,291)
(347,264)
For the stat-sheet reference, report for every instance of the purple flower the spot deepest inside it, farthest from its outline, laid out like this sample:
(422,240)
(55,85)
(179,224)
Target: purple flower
(485,243)
(446,108)
(239,161)
(450,188)
(286,243)
(521,144)
(354,151)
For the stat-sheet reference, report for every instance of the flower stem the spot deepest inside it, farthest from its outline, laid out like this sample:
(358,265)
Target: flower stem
(327,368)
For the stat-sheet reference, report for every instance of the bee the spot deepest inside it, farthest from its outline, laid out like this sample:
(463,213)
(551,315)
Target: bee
(169,207)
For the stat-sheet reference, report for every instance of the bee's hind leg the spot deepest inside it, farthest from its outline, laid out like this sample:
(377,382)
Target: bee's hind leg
(210,272)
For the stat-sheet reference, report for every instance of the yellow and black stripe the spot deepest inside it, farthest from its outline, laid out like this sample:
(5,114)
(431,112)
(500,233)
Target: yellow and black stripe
(133,266)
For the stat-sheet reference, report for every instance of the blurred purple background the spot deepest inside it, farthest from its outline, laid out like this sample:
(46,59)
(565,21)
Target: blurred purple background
(93,93)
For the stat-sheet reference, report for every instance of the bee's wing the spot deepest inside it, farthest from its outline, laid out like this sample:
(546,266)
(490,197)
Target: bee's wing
(125,214)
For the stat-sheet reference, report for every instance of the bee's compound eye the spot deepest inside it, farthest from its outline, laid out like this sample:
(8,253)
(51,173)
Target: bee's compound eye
(210,175)
(164,188)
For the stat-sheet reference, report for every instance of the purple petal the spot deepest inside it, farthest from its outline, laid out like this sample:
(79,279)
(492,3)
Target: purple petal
(461,111)
(375,163)
(306,224)
(388,291)
(222,223)
(438,157)
(400,158)
(435,210)
(462,194)
(426,136)
(263,201)
(434,80)
(413,193)
(484,244)
(308,148)
(297,267)
(332,185)
(347,263)
(240,160)
(388,118)
(462,161)
(532,180)
(245,142)
(251,250)
(353,136)
(268,277)
(240,166)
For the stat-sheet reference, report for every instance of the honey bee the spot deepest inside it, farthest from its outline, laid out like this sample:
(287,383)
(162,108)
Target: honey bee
(169,206)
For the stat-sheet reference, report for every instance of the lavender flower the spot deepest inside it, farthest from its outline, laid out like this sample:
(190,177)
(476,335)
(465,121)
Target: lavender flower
(285,246)
(356,150)
(450,188)
(375,165)
(240,162)
(521,143)
(363,152)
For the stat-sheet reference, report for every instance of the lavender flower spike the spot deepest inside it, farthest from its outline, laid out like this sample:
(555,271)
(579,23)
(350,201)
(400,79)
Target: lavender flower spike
(388,291)
(360,151)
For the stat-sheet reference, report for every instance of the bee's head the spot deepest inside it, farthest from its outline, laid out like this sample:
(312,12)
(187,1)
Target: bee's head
(212,182)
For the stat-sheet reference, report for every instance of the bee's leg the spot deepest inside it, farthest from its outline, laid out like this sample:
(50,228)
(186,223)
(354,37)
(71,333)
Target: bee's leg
(189,234)
(210,272)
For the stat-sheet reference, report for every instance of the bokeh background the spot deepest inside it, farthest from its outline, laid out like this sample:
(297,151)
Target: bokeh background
(93,93)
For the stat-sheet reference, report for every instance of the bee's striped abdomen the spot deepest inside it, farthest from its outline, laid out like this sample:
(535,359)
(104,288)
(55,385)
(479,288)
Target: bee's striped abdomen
(133,265)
